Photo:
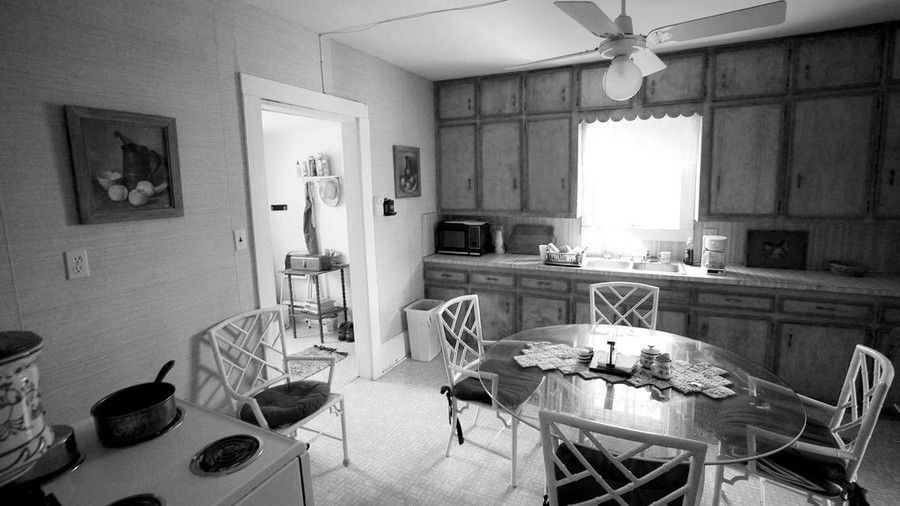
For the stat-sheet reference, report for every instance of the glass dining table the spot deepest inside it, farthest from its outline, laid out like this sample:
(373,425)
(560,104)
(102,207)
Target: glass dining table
(763,417)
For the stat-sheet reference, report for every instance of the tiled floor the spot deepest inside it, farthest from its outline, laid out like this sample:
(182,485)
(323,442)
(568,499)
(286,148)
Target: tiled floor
(397,430)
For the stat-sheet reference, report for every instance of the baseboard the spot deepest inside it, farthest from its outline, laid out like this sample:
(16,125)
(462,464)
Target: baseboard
(394,351)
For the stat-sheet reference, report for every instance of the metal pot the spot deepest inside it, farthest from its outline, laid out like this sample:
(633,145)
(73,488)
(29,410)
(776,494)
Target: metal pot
(137,413)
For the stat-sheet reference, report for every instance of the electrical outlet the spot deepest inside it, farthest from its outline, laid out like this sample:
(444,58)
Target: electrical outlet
(240,239)
(77,264)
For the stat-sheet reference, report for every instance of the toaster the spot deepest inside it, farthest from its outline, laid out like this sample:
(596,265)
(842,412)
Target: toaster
(299,261)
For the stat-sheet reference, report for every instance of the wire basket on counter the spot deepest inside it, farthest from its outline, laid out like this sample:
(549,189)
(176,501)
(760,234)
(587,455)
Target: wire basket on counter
(570,259)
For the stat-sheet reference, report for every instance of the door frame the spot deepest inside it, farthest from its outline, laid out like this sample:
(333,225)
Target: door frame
(260,94)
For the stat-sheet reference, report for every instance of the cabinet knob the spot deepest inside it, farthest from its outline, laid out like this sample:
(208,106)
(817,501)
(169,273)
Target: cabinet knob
(799,180)
(563,95)
(826,308)
(559,313)
(469,104)
(652,87)
(514,99)
(733,300)
(790,339)
(891,177)
(469,184)
(724,82)
(806,72)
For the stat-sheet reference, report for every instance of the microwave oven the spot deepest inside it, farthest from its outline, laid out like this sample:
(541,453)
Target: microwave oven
(463,237)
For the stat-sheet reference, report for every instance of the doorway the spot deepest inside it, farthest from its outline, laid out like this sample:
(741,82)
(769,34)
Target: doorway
(261,96)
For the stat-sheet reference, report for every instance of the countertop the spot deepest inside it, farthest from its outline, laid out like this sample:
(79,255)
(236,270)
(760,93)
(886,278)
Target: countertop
(883,285)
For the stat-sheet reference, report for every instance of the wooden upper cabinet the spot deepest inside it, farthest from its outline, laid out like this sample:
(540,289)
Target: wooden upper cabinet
(501,166)
(843,59)
(590,89)
(745,160)
(754,72)
(548,91)
(681,81)
(500,96)
(456,166)
(889,172)
(895,65)
(549,166)
(456,100)
(831,156)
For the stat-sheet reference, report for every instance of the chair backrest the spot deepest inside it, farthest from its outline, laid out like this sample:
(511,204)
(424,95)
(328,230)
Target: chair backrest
(562,429)
(458,324)
(624,303)
(250,352)
(862,396)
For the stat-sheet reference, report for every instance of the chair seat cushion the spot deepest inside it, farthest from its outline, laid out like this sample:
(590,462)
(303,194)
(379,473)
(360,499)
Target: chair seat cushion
(817,432)
(289,403)
(817,473)
(515,384)
(588,488)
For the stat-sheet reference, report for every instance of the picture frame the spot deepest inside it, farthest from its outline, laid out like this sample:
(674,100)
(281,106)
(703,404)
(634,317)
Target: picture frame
(125,165)
(407,172)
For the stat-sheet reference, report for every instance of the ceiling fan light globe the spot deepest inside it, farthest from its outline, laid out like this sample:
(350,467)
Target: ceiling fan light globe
(622,79)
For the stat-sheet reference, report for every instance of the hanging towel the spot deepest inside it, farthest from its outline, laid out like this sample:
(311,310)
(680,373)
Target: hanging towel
(309,226)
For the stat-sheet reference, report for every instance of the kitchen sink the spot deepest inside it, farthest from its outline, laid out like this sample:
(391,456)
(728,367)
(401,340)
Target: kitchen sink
(603,263)
(647,266)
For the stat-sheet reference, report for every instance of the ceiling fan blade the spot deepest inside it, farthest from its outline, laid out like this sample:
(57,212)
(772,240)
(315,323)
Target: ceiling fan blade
(647,61)
(588,15)
(554,59)
(734,21)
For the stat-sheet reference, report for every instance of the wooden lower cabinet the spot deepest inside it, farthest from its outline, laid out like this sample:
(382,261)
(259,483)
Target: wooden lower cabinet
(444,293)
(672,320)
(748,337)
(813,359)
(540,311)
(498,313)
(889,344)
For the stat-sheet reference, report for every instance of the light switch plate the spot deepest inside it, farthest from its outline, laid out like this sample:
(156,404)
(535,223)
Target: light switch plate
(240,239)
(77,264)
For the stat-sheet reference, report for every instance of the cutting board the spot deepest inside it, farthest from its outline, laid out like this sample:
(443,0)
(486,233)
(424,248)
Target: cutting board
(777,249)
(525,239)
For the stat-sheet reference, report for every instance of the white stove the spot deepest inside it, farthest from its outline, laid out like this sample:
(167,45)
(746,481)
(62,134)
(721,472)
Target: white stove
(256,467)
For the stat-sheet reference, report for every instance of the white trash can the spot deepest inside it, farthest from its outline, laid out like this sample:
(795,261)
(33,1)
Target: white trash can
(423,340)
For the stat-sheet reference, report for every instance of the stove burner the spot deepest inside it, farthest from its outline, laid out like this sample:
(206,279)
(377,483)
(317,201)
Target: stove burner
(140,500)
(226,455)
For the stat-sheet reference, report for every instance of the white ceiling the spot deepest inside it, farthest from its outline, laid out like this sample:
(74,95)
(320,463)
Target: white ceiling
(488,40)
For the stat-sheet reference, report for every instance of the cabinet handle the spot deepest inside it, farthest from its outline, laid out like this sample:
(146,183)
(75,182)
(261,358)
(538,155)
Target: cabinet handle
(507,307)
(733,300)
(652,87)
(790,340)
(704,329)
(446,275)
(806,72)
(724,83)
(514,100)
(891,177)
(719,182)
(563,94)
(469,184)
(491,278)
(543,283)
(799,180)
(563,183)
(469,104)
(515,182)
(826,308)
(559,314)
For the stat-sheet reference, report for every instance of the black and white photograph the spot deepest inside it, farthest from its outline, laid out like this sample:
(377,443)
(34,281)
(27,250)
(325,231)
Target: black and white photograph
(450,252)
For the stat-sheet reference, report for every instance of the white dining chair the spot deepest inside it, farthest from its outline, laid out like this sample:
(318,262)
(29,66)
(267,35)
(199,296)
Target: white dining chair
(254,368)
(458,324)
(823,463)
(581,469)
(624,303)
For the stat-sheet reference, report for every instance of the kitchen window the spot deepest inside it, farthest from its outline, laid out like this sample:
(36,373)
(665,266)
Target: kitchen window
(639,178)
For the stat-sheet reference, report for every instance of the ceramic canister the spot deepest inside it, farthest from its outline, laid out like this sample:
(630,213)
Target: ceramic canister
(23,435)
(647,355)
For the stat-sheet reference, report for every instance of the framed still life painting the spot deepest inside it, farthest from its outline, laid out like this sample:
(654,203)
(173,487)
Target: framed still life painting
(125,165)
(407,181)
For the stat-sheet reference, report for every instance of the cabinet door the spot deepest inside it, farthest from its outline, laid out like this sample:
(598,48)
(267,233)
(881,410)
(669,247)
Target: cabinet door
(548,91)
(895,66)
(590,89)
(501,166)
(748,337)
(444,293)
(543,311)
(831,156)
(845,59)
(457,167)
(498,314)
(456,100)
(889,344)
(889,175)
(813,359)
(549,166)
(746,155)
(499,96)
(582,311)
(681,81)
(671,320)
(754,72)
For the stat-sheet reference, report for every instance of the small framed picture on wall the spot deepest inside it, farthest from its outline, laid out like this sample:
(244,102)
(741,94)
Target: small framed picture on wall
(125,165)
(407,181)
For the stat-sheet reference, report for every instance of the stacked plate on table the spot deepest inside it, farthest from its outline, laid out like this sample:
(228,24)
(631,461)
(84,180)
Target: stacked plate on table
(584,354)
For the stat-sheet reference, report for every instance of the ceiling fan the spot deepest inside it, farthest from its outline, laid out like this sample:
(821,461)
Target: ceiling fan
(631,59)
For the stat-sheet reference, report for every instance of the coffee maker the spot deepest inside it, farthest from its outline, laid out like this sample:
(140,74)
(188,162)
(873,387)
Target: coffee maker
(713,257)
